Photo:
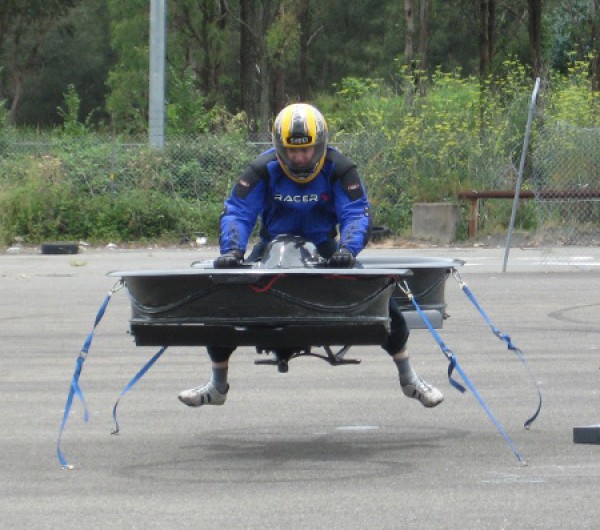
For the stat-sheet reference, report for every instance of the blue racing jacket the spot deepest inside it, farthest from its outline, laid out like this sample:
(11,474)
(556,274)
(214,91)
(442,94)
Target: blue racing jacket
(336,197)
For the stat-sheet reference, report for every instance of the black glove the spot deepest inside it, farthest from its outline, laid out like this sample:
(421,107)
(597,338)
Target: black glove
(342,259)
(229,260)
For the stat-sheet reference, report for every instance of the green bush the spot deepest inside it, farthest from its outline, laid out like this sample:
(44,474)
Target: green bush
(137,215)
(98,191)
(419,140)
(37,205)
(436,137)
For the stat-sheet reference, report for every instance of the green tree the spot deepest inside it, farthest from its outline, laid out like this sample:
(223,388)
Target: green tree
(24,26)
(255,56)
(76,53)
(198,36)
(283,51)
(128,79)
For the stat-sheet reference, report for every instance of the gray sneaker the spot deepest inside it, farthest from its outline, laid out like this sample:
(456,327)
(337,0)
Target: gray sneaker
(203,395)
(428,395)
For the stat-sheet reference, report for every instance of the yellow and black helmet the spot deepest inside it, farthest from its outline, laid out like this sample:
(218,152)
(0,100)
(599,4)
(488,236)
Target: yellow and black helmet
(300,125)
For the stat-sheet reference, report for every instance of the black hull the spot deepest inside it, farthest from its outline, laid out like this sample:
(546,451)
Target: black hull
(427,284)
(281,308)
(300,336)
(261,309)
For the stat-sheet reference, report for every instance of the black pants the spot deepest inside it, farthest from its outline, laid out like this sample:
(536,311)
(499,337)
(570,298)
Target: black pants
(398,337)
(394,343)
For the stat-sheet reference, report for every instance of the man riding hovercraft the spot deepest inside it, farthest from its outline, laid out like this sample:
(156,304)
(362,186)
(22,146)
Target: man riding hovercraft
(302,187)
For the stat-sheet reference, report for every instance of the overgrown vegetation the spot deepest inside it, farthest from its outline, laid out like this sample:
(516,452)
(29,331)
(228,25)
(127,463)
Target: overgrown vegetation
(421,141)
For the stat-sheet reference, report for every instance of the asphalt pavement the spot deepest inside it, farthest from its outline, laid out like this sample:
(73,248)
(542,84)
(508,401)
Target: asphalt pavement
(318,447)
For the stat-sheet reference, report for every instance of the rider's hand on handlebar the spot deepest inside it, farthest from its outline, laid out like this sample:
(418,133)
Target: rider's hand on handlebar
(229,260)
(342,259)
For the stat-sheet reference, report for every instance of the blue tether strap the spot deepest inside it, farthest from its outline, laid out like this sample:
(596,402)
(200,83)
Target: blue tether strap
(74,388)
(133,381)
(504,337)
(454,365)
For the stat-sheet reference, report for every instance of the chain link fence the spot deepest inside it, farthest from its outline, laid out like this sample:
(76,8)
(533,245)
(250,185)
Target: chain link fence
(565,181)
(563,177)
(198,168)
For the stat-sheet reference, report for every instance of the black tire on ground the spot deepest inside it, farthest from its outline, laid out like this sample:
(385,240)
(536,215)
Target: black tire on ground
(58,247)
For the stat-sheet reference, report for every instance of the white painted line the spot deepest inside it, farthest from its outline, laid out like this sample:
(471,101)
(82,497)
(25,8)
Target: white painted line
(358,428)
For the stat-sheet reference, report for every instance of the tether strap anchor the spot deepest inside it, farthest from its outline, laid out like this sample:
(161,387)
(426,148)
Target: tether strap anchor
(454,365)
(74,388)
(504,337)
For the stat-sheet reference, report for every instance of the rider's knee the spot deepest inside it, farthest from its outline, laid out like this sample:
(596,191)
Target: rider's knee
(219,354)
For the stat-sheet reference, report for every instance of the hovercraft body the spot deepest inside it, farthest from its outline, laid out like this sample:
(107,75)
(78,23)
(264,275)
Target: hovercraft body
(289,299)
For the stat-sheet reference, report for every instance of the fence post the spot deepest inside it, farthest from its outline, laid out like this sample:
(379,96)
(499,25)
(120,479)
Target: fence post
(156,110)
(513,215)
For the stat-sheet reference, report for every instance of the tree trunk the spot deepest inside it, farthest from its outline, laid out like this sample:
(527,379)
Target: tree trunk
(221,24)
(19,68)
(409,38)
(265,18)
(423,33)
(248,62)
(278,90)
(492,29)
(595,64)
(535,35)
(304,20)
(277,86)
(208,19)
(265,92)
(487,29)
(485,58)
(16,100)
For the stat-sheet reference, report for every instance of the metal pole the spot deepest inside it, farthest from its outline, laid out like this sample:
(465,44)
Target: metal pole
(156,107)
(513,215)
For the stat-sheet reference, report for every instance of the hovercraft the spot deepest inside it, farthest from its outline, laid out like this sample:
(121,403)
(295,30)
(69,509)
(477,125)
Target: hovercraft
(289,301)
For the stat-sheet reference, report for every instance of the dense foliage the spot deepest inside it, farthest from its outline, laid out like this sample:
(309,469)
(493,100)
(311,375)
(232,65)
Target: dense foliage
(290,50)
(78,184)
(90,188)
(422,105)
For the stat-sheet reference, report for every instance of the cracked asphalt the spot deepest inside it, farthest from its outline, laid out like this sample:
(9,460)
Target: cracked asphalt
(320,446)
